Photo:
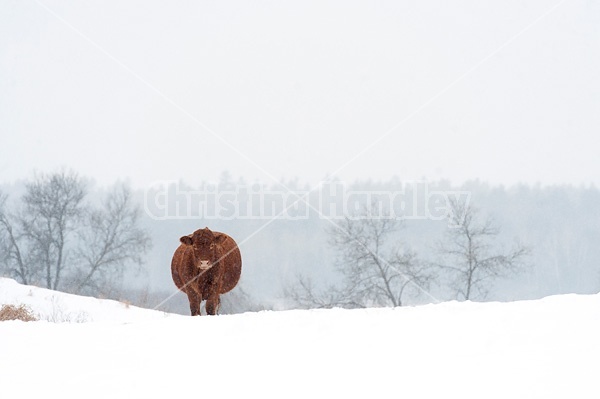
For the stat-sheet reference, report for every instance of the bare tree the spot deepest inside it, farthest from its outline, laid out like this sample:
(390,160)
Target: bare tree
(468,255)
(57,240)
(11,259)
(377,270)
(37,236)
(110,240)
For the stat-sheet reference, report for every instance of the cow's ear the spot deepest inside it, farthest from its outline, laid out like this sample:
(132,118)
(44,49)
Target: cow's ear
(220,239)
(187,240)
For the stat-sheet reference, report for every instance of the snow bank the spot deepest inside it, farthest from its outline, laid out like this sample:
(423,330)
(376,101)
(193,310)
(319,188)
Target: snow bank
(534,349)
(58,306)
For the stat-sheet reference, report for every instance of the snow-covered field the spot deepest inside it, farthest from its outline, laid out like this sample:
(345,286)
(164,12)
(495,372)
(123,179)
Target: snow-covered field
(548,348)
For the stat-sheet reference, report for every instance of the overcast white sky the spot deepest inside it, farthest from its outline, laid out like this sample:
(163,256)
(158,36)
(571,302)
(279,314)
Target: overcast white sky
(151,90)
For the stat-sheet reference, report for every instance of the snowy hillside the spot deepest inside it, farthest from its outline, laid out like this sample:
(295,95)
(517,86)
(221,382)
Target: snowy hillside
(547,348)
(61,307)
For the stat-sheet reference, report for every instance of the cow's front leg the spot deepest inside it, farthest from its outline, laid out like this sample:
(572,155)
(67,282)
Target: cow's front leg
(195,300)
(212,304)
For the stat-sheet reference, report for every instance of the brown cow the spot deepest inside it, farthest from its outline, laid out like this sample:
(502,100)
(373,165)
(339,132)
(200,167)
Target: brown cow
(205,265)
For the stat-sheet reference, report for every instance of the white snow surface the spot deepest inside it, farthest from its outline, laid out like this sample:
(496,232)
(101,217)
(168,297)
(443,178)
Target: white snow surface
(58,306)
(546,348)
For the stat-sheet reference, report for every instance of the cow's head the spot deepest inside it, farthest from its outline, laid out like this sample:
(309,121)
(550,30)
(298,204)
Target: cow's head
(205,248)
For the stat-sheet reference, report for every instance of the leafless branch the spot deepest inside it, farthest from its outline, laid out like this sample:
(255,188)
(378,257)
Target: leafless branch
(376,269)
(468,255)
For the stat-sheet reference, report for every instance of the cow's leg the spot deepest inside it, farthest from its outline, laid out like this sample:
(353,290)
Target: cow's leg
(212,304)
(195,300)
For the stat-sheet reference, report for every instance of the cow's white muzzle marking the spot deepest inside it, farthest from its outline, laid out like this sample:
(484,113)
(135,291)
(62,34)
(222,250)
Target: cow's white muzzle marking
(204,265)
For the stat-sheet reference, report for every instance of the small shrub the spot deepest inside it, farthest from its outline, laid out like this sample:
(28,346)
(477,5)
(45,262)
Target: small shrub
(58,314)
(16,312)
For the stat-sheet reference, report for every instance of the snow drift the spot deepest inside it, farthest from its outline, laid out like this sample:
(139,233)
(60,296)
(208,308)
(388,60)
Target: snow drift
(56,306)
(532,349)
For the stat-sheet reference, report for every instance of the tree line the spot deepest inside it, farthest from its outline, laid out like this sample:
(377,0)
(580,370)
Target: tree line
(61,234)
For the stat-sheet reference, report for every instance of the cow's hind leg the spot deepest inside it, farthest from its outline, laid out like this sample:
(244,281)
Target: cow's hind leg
(195,300)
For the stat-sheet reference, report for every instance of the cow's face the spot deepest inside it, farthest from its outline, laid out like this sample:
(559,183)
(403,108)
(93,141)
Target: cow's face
(204,245)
